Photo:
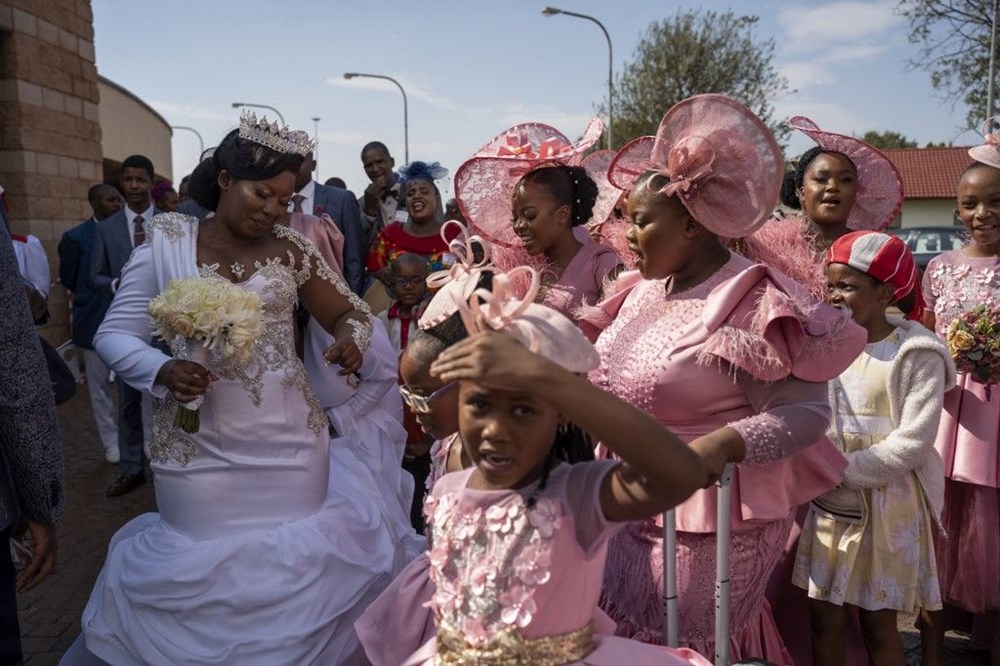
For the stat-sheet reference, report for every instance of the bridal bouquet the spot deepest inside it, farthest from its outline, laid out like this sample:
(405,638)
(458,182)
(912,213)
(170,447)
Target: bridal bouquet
(974,342)
(206,316)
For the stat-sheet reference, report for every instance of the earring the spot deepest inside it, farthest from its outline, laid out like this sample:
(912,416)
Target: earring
(562,429)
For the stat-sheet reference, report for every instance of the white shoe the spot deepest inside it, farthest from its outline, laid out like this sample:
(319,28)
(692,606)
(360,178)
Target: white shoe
(112,456)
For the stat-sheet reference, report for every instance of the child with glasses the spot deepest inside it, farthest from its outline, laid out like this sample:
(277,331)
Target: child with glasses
(408,288)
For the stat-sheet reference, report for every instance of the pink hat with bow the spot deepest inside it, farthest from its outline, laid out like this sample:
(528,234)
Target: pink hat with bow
(458,281)
(721,161)
(485,182)
(880,187)
(989,151)
(543,330)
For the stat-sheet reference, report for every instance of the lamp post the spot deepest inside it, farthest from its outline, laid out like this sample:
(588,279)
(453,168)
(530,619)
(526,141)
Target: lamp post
(992,77)
(237,105)
(552,11)
(201,142)
(406,121)
(316,141)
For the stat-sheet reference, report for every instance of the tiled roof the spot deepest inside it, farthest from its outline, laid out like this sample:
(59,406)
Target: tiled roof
(930,173)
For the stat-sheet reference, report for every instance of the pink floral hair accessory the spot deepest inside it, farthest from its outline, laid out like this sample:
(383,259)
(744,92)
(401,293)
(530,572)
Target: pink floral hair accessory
(718,157)
(543,330)
(460,279)
(989,151)
(485,182)
(880,186)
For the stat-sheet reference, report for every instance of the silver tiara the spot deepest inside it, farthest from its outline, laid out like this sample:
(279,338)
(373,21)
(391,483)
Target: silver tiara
(274,136)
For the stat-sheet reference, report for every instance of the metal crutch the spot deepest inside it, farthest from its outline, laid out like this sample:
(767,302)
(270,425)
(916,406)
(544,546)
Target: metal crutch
(670,622)
(722,545)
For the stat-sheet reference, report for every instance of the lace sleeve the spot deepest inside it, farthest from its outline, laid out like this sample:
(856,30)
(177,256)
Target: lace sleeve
(312,261)
(790,415)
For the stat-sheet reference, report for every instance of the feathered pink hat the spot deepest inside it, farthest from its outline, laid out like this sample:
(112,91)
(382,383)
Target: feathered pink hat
(721,161)
(989,151)
(485,182)
(543,330)
(880,187)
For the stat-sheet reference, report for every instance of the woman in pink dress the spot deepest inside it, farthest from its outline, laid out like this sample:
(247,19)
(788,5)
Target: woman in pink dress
(723,352)
(969,435)
(518,540)
(529,194)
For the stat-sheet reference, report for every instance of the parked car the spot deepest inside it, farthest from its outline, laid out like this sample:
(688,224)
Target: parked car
(928,242)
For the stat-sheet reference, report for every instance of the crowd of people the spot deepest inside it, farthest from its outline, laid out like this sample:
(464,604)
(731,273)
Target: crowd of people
(493,431)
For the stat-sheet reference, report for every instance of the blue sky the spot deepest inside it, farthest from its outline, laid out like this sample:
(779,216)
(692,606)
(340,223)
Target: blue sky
(472,68)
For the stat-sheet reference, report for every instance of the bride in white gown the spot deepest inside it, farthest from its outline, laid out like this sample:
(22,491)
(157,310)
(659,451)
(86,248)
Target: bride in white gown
(256,556)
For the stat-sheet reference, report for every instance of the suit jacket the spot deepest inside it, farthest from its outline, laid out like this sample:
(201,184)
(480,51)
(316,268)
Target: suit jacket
(342,206)
(111,251)
(31,462)
(89,304)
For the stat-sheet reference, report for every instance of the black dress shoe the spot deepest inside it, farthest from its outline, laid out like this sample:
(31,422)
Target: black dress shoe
(125,483)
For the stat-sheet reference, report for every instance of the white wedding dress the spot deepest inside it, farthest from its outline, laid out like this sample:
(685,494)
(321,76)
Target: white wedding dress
(263,551)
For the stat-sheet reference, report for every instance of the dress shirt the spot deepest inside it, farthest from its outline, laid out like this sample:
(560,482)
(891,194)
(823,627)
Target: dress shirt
(309,192)
(130,216)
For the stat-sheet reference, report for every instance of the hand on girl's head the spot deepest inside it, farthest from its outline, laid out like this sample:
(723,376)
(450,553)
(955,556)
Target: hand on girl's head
(492,359)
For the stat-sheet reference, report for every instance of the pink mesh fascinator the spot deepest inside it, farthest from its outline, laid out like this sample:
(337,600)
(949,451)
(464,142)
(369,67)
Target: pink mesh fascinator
(720,158)
(989,151)
(604,226)
(543,330)
(485,182)
(460,279)
(880,187)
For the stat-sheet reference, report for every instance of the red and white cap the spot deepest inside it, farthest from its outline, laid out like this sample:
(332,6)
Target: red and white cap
(884,257)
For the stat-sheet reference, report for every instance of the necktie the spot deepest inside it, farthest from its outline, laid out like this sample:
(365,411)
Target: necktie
(139,235)
(297,200)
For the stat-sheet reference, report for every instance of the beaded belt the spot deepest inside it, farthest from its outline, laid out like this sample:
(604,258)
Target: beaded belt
(509,648)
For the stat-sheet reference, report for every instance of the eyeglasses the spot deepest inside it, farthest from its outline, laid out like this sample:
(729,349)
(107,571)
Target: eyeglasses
(415,281)
(422,404)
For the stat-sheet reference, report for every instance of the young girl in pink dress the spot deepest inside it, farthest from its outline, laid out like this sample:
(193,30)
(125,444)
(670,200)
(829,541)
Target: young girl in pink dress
(969,435)
(722,351)
(518,540)
(869,544)
(528,192)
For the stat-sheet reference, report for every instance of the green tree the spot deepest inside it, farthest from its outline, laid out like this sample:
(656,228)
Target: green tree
(695,52)
(954,39)
(888,139)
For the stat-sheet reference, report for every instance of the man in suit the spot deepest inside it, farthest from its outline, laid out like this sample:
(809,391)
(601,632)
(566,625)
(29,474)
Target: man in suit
(89,308)
(311,197)
(114,239)
(380,203)
(31,463)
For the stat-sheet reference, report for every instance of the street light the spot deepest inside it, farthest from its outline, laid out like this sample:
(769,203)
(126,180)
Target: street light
(201,142)
(237,105)
(316,142)
(552,11)
(406,121)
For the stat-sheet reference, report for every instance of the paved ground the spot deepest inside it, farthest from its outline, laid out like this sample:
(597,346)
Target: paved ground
(50,614)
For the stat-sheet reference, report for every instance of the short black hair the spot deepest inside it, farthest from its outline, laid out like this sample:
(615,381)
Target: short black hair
(138,162)
(375,145)
(94,192)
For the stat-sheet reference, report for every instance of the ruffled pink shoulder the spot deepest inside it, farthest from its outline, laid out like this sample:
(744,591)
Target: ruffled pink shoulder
(770,326)
(592,319)
(787,246)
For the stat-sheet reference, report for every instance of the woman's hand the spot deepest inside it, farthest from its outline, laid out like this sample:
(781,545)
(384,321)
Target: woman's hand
(717,449)
(185,379)
(346,354)
(492,359)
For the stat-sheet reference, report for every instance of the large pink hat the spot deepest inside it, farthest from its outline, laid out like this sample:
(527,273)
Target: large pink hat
(541,329)
(721,160)
(485,182)
(460,280)
(989,151)
(880,187)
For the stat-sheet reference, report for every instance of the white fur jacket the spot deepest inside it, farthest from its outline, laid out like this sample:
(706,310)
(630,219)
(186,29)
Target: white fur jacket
(920,375)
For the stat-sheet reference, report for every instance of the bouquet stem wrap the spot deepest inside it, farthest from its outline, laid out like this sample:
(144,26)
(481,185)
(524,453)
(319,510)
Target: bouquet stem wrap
(188,417)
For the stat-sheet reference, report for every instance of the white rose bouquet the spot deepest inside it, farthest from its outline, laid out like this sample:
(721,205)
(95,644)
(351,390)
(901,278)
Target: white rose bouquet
(206,316)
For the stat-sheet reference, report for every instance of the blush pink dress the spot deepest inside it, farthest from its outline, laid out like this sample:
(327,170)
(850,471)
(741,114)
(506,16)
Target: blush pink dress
(582,283)
(968,440)
(751,349)
(509,576)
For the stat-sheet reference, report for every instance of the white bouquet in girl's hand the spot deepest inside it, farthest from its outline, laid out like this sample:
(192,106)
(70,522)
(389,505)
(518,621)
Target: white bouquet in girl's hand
(204,316)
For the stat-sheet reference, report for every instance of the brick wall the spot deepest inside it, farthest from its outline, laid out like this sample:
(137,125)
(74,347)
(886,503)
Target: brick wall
(50,139)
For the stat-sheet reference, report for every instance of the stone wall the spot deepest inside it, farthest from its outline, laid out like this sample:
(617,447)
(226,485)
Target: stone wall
(50,136)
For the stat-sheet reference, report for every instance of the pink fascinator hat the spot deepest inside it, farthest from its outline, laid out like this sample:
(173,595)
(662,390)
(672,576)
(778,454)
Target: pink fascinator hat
(458,281)
(543,330)
(880,187)
(721,161)
(485,182)
(989,151)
